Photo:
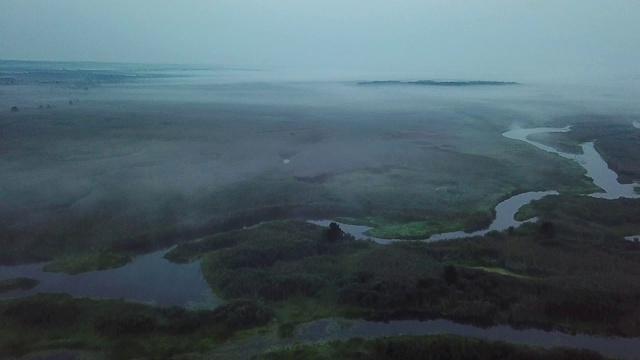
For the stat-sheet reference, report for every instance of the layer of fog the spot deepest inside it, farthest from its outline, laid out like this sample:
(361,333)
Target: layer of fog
(182,150)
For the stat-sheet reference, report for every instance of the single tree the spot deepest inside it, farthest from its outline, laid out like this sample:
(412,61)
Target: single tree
(334,232)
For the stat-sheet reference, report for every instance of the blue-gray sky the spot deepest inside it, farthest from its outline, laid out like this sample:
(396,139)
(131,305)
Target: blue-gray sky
(497,39)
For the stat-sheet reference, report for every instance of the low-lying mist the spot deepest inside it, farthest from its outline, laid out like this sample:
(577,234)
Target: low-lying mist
(139,164)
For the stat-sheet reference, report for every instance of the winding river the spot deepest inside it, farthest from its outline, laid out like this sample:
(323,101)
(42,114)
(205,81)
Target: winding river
(504,219)
(597,169)
(150,278)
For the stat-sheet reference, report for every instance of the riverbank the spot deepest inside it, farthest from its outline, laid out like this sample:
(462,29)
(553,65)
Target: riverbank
(438,347)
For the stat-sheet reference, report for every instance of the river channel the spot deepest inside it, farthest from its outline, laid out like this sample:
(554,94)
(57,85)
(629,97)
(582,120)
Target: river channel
(341,329)
(597,169)
(150,278)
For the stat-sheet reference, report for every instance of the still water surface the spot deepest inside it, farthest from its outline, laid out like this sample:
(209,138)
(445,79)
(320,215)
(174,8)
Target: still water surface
(148,278)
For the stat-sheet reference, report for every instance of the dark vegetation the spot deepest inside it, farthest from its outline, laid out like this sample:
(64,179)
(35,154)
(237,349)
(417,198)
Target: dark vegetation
(541,275)
(17,284)
(439,83)
(599,222)
(416,224)
(69,238)
(438,347)
(85,262)
(126,330)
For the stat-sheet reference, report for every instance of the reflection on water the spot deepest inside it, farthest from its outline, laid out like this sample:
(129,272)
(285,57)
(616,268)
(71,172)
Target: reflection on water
(149,278)
(339,329)
(505,212)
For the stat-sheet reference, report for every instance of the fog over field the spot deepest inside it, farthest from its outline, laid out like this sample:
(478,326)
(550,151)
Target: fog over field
(250,179)
(122,152)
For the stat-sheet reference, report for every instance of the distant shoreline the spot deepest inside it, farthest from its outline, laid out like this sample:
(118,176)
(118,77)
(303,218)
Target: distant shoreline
(439,83)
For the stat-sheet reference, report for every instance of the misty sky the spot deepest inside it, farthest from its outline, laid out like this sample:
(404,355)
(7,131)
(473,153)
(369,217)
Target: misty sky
(489,39)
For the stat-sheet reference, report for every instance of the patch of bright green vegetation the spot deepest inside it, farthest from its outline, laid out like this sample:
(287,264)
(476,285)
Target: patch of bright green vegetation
(433,347)
(80,263)
(421,224)
(526,212)
(412,230)
(389,229)
(17,284)
(125,330)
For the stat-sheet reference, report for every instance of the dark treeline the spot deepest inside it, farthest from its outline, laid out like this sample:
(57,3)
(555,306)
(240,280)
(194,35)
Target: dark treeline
(502,278)
(439,347)
(117,326)
(439,83)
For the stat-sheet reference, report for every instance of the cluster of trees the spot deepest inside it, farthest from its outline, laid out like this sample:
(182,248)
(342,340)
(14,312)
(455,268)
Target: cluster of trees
(115,319)
(285,260)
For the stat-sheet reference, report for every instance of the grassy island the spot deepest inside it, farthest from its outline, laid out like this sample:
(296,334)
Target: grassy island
(85,262)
